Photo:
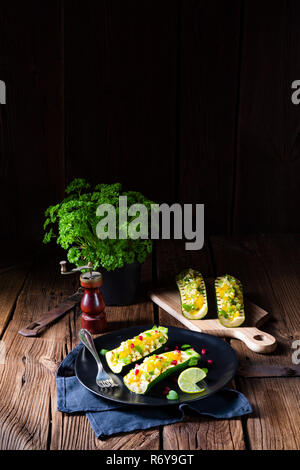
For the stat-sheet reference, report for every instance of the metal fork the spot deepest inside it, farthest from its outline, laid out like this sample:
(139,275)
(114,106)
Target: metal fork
(103,380)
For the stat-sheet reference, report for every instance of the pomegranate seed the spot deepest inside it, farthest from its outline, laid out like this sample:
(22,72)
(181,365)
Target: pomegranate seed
(132,345)
(175,379)
(141,338)
(166,348)
(176,347)
(209,361)
(203,351)
(167,389)
(174,362)
(156,357)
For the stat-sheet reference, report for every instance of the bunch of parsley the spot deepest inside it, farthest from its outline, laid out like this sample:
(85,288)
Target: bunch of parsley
(73,223)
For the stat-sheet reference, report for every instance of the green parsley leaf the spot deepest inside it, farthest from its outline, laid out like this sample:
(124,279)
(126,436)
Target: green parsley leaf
(73,224)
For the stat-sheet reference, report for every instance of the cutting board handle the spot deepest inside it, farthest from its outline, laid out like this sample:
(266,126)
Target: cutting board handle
(256,340)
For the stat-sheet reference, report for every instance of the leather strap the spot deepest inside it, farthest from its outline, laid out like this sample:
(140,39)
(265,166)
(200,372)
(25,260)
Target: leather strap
(34,328)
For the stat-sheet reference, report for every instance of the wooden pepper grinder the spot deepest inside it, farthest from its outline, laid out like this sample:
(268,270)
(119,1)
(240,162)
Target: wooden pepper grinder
(93,316)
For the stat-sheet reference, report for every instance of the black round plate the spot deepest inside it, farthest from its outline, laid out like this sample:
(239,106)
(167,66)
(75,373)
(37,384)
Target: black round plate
(220,372)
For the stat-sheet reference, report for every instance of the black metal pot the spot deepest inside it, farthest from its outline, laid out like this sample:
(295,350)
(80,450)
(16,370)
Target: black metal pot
(120,286)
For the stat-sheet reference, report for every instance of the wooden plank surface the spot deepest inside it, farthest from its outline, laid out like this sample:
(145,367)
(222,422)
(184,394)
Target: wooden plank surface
(31,122)
(28,415)
(27,386)
(12,282)
(269,268)
(197,432)
(268,165)
(120,77)
(209,83)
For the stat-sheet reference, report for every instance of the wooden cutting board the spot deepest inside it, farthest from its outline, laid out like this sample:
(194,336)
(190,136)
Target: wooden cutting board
(255,339)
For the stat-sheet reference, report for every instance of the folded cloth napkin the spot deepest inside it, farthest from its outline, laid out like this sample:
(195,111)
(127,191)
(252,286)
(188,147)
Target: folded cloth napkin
(107,417)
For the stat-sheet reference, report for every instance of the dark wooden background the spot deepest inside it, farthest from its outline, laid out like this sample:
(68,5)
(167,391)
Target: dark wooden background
(183,100)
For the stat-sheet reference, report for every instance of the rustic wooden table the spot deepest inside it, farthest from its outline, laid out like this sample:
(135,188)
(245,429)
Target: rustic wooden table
(269,266)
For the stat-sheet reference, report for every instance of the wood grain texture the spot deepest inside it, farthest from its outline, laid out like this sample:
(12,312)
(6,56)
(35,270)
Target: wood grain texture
(120,75)
(208,96)
(27,386)
(268,267)
(31,134)
(197,433)
(268,164)
(28,415)
(274,424)
(204,434)
(11,282)
(200,90)
(246,259)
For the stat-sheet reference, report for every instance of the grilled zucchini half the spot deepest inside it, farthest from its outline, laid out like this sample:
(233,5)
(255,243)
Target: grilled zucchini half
(193,295)
(230,301)
(155,368)
(136,348)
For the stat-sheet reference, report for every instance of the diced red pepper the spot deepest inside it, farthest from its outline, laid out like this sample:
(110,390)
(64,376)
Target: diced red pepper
(136,371)
(132,345)
(141,338)
(174,362)
(203,351)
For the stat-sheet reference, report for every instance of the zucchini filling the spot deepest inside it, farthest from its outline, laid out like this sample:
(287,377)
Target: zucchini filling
(230,302)
(136,348)
(157,367)
(193,296)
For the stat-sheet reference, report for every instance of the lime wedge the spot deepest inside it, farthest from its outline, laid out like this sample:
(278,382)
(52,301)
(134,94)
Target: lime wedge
(188,379)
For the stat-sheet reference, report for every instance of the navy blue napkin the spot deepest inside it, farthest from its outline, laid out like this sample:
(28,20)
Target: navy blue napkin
(107,417)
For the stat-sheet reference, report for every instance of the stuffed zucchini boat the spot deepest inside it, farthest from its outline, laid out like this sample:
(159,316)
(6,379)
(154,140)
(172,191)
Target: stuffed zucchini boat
(193,295)
(157,367)
(136,348)
(230,301)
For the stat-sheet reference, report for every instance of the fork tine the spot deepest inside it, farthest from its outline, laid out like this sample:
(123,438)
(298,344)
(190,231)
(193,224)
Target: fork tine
(106,383)
(103,380)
